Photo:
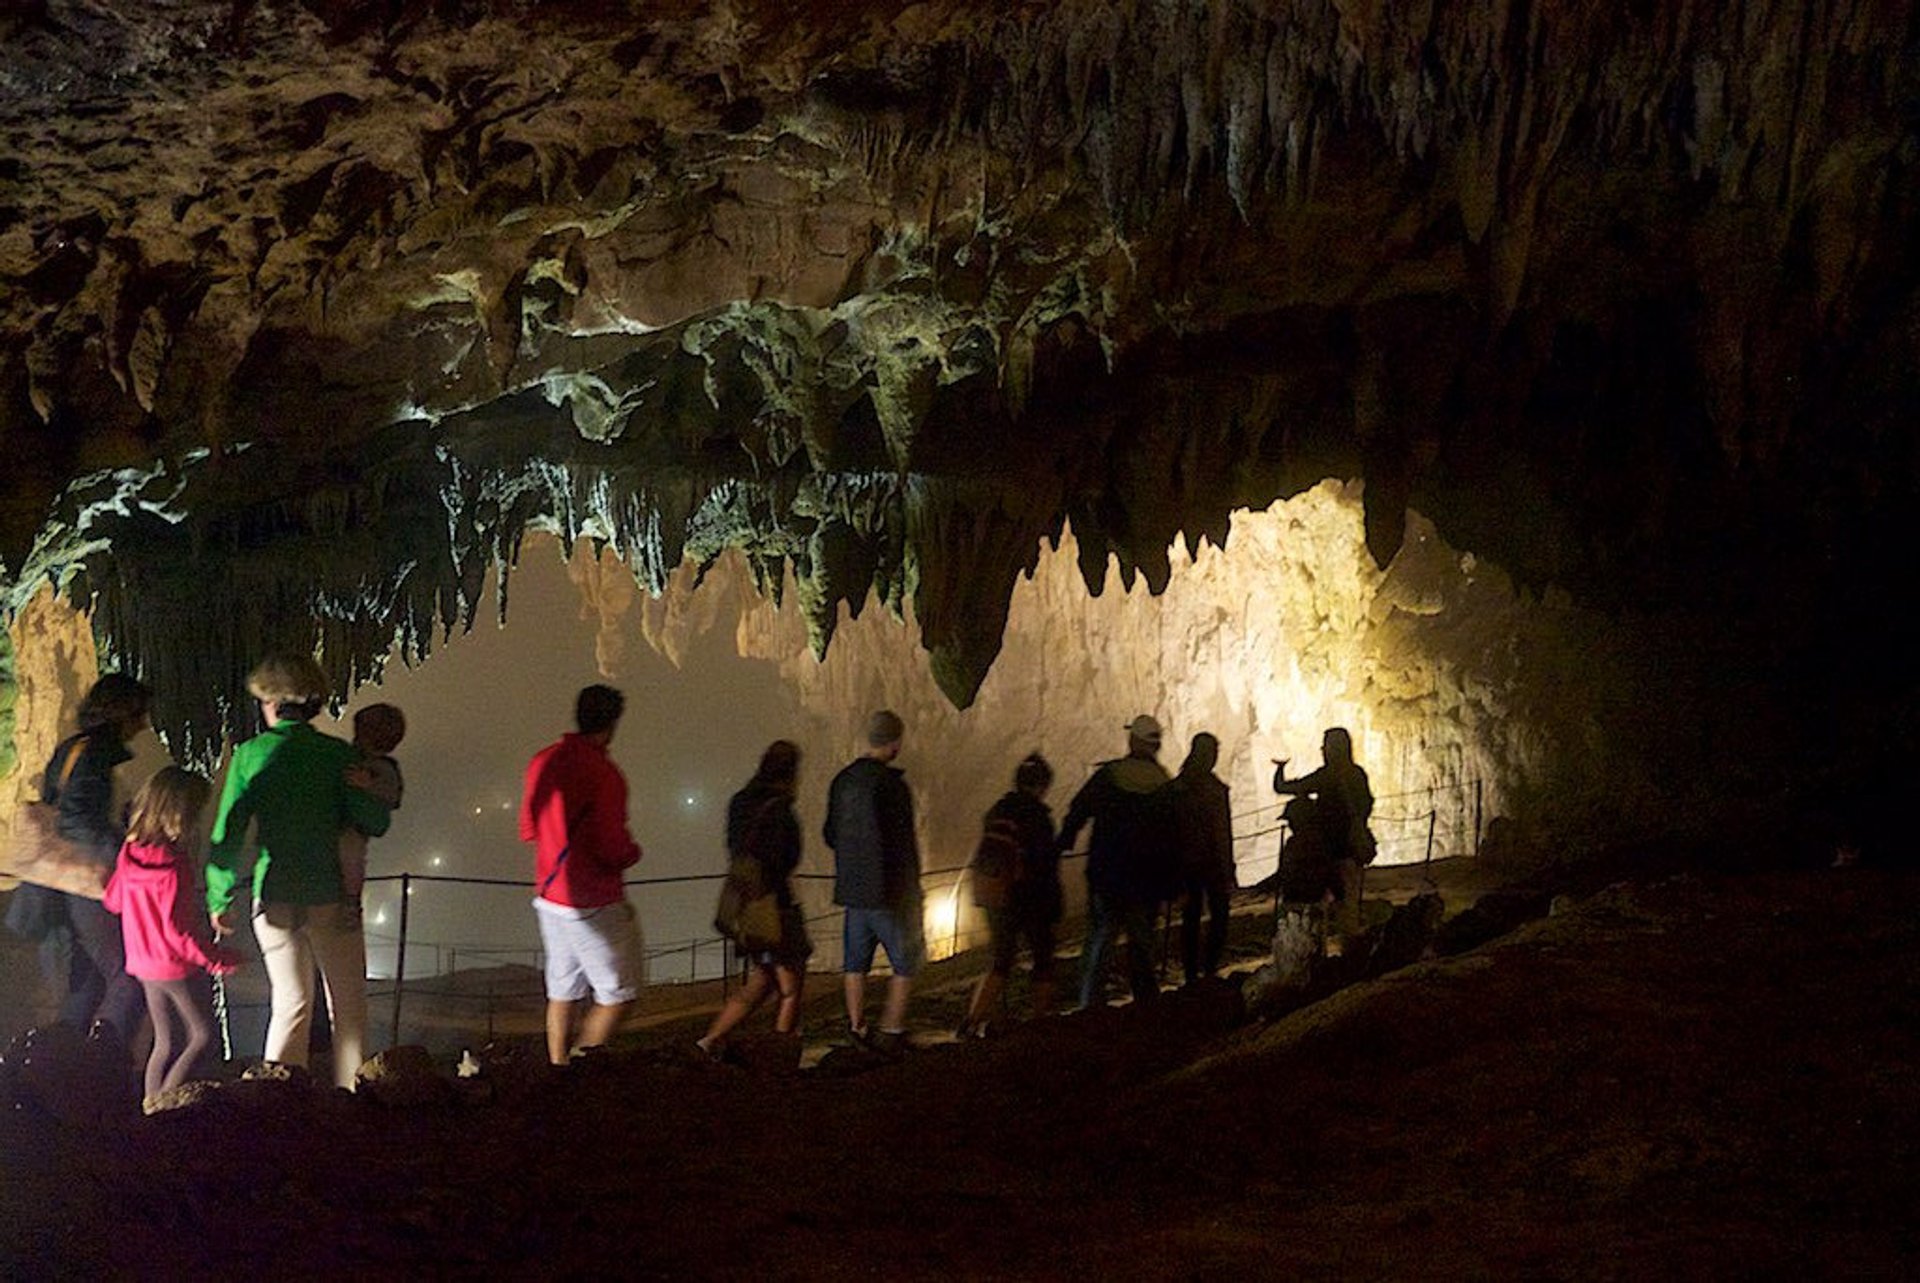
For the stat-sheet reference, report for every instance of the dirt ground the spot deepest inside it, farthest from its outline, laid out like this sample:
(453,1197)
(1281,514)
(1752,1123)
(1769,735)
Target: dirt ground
(1698,1076)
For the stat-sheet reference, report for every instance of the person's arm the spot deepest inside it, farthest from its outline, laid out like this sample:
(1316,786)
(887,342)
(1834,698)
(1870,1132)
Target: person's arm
(229,837)
(191,934)
(1222,835)
(1315,782)
(1080,810)
(365,812)
(606,819)
(111,899)
(827,829)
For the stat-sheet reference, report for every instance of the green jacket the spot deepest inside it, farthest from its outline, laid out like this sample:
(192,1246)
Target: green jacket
(291,782)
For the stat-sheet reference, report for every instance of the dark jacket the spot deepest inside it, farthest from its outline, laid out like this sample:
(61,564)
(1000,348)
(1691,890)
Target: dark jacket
(761,823)
(876,859)
(1128,857)
(85,808)
(85,801)
(1202,818)
(1343,805)
(1037,892)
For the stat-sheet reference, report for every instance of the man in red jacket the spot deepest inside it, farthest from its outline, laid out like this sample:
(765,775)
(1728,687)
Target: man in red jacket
(574,811)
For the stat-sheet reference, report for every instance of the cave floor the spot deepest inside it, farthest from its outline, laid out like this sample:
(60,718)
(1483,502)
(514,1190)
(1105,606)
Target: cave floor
(1697,1076)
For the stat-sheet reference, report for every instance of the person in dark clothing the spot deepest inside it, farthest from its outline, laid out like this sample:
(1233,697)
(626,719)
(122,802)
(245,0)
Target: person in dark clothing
(761,826)
(1203,825)
(79,782)
(1127,860)
(1019,827)
(876,878)
(1343,805)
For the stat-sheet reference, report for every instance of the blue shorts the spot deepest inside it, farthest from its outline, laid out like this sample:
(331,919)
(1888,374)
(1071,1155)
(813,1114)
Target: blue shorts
(897,933)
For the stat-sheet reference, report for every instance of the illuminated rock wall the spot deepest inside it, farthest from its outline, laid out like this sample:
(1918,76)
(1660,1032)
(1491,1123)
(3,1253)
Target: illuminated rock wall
(1452,684)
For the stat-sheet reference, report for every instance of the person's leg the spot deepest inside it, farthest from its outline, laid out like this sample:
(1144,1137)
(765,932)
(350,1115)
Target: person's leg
(900,936)
(1219,916)
(893,1015)
(284,952)
(1137,920)
(601,1022)
(612,958)
(340,950)
(1040,936)
(566,982)
(162,1054)
(97,934)
(856,995)
(791,979)
(993,982)
(1348,921)
(559,1030)
(858,940)
(184,999)
(737,1007)
(1093,962)
(1190,933)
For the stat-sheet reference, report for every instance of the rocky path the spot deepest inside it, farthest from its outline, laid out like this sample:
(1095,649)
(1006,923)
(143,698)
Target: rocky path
(1684,1078)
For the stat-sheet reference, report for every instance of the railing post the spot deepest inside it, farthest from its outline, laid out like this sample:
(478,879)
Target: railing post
(693,961)
(400,957)
(1431,817)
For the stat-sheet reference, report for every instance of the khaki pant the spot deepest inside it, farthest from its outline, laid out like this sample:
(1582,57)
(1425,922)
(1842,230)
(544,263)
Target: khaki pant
(294,938)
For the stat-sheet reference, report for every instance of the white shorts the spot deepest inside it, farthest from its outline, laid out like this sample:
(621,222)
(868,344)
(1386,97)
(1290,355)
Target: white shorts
(591,951)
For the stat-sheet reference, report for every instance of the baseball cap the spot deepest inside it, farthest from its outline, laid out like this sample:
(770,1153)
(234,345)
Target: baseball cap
(1144,728)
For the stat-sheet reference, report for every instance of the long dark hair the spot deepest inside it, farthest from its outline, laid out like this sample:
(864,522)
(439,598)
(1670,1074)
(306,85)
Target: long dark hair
(779,766)
(113,700)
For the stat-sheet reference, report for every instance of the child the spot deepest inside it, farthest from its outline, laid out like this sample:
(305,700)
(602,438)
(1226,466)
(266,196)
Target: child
(155,890)
(377,731)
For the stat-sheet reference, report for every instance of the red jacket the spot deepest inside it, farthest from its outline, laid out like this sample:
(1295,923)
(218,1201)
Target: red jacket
(162,917)
(574,811)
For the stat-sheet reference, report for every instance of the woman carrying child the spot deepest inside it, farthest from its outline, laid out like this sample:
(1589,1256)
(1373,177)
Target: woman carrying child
(155,889)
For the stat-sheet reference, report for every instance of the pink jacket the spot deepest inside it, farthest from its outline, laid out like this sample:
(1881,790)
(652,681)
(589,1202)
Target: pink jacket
(162,918)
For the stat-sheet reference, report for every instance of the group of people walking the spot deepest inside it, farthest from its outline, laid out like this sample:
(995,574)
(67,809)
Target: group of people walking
(294,816)
(302,805)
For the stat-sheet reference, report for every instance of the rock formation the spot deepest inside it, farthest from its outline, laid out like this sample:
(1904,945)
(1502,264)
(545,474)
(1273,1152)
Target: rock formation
(310,311)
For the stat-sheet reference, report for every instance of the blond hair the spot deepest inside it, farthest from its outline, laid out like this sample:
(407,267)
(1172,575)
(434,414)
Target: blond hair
(167,807)
(289,679)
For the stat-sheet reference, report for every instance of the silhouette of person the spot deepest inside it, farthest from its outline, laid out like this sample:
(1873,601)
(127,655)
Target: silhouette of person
(1127,863)
(1343,803)
(1203,824)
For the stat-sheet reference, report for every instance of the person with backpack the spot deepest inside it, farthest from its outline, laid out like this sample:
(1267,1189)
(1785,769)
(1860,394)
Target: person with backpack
(1202,815)
(1128,859)
(1342,807)
(79,783)
(762,828)
(1016,881)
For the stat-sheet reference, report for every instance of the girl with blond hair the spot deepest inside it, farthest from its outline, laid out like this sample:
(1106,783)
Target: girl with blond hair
(155,891)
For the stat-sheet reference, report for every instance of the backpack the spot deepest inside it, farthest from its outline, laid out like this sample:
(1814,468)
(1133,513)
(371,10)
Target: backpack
(998,862)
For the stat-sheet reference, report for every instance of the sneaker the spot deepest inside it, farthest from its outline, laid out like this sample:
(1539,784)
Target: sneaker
(862,1037)
(890,1042)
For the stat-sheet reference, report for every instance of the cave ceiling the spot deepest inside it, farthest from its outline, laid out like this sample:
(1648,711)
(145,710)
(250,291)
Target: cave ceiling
(309,311)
